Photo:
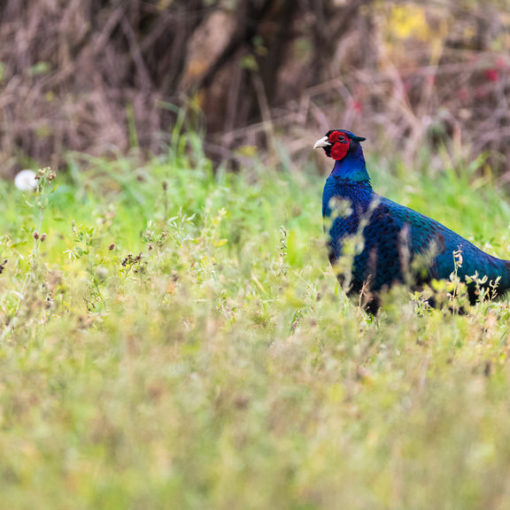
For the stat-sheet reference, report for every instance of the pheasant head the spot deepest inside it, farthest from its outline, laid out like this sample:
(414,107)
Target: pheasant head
(338,143)
(345,148)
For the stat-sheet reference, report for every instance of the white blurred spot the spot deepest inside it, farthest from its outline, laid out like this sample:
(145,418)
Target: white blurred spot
(25,180)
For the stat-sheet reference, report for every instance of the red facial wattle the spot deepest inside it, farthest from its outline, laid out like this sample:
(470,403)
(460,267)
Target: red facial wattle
(340,145)
(339,150)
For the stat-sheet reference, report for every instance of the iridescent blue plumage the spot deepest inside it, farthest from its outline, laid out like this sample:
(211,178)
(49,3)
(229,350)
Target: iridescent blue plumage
(399,244)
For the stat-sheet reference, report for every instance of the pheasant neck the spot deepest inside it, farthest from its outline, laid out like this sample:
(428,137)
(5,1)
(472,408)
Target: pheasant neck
(352,168)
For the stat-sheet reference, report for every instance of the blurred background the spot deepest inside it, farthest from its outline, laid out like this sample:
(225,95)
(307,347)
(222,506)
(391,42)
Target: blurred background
(109,77)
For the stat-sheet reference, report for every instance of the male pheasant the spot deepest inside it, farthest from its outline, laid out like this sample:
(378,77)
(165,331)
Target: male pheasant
(399,244)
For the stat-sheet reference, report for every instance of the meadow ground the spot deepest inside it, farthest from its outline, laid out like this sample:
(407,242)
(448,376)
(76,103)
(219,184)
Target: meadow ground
(189,347)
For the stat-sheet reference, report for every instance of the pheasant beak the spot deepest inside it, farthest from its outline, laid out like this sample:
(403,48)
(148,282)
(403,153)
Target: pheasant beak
(322,142)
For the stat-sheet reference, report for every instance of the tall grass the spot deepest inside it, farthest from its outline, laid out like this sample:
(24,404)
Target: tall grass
(181,342)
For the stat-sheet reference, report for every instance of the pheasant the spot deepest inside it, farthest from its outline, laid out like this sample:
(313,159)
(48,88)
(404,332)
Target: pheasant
(398,245)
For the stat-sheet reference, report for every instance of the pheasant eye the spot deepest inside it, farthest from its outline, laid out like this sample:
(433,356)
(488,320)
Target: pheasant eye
(341,138)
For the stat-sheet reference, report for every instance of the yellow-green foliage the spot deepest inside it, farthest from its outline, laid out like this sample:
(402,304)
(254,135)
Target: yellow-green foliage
(178,340)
